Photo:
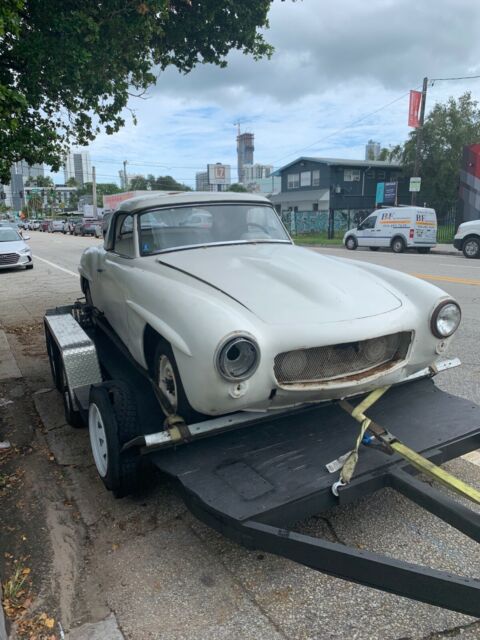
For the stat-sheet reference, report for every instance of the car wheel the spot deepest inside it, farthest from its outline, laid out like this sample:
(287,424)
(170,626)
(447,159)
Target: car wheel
(172,397)
(471,248)
(398,245)
(374,248)
(87,292)
(351,243)
(112,422)
(423,250)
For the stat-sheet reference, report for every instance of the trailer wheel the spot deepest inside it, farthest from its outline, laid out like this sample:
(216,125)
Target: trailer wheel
(72,415)
(55,361)
(112,421)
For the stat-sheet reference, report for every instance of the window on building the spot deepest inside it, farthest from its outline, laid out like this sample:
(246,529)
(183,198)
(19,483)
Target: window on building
(305,179)
(315,206)
(394,176)
(316,178)
(370,175)
(293,181)
(380,174)
(351,175)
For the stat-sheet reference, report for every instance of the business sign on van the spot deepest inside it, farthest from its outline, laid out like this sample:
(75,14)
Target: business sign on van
(390,193)
(415,184)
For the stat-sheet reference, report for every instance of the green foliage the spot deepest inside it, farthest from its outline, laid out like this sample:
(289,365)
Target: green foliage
(103,189)
(162,183)
(71,182)
(237,187)
(447,129)
(39,181)
(67,68)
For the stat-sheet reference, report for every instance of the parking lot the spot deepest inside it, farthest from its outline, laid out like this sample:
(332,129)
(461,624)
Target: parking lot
(163,574)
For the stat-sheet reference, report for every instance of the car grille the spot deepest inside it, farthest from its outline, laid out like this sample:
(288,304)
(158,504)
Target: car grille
(341,361)
(9,258)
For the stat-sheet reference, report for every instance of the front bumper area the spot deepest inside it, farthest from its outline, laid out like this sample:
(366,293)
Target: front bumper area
(457,243)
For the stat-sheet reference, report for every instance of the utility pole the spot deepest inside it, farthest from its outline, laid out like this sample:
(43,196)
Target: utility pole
(94,192)
(125,181)
(416,166)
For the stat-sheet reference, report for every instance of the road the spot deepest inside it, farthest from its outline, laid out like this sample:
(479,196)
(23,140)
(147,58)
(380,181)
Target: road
(167,576)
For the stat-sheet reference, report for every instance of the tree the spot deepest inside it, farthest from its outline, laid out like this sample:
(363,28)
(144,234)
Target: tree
(67,69)
(237,187)
(167,183)
(35,203)
(71,182)
(447,129)
(103,189)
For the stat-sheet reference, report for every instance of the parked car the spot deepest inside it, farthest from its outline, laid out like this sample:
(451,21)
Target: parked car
(33,224)
(43,225)
(8,224)
(69,226)
(399,228)
(56,226)
(84,228)
(14,251)
(467,239)
(236,317)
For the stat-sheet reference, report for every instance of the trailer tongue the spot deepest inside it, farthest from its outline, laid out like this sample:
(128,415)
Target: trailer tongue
(254,482)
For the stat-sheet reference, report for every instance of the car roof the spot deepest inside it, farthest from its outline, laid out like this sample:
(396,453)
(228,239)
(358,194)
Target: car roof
(166,198)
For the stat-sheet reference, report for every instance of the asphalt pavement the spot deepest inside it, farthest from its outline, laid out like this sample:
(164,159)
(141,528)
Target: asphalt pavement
(167,576)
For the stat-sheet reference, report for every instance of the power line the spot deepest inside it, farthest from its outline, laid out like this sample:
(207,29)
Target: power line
(457,78)
(347,126)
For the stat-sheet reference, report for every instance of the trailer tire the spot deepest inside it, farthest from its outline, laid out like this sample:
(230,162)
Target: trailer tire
(112,421)
(56,366)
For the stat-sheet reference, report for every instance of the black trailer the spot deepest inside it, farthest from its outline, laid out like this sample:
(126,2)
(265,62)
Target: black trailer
(252,476)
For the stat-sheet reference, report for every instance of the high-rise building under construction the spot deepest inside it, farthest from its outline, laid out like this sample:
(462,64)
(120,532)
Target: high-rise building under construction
(245,149)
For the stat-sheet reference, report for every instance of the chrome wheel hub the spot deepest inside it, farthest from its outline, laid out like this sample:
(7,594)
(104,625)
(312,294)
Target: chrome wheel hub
(98,439)
(167,382)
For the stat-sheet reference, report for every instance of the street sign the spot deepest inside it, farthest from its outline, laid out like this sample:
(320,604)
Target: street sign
(415,184)
(35,190)
(380,193)
(390,193)
(218,173)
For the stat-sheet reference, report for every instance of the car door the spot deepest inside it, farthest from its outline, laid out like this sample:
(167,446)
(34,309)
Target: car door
(366,234)
(112,276)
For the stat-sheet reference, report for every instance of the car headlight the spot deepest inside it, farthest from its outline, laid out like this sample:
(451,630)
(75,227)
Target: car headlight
(26,250)
(238,358)
(445,319)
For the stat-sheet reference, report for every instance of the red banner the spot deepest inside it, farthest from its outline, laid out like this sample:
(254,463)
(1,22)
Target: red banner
(414,108)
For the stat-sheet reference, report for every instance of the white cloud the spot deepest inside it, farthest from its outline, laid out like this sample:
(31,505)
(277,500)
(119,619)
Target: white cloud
(334,62)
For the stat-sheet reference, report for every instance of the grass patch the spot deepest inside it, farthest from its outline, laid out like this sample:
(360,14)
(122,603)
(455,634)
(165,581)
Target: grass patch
(14,586)
(316,238)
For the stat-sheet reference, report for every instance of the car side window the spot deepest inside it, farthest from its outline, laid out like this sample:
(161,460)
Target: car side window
(123,244)
(369,223)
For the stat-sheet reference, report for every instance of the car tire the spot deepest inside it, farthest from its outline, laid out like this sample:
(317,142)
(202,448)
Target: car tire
(112,422)
(398,245)
(165,366)
(72,415)
(423,250)
(374,248)
(471,247)
(351,243)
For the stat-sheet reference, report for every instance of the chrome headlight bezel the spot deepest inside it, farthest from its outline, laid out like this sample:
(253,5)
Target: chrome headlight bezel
(235,341)
(436,315)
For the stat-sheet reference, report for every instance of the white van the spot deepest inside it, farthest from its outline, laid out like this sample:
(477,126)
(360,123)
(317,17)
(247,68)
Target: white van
(399,228)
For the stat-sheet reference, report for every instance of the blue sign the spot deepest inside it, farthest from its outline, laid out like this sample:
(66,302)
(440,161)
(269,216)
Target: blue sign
(380,192)
(390,193)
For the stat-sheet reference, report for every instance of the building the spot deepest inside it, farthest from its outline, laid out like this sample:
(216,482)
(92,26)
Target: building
(252,172)
(245,149)
(265,186)
(343,191)
(469,190)
(215,178)
(20,173)
(78,166)
(201,182)
(372,150)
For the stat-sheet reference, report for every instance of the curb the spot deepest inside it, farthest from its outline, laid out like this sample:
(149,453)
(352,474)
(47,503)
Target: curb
(438,252)
(3,630)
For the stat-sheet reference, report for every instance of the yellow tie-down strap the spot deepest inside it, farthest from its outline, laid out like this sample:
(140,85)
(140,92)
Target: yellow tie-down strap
(415,459)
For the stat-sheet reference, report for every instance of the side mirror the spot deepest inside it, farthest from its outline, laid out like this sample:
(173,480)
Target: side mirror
(26,237)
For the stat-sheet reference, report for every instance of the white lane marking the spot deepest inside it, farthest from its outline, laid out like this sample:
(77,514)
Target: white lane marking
(459,266)
(52,264)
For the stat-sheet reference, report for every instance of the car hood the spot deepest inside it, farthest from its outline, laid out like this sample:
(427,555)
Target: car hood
(13,246)
(284,284)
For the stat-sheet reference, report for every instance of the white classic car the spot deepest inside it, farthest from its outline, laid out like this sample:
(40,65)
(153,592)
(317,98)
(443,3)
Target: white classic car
(230,315)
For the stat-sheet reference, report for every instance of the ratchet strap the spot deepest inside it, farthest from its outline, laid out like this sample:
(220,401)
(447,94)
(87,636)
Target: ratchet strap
(391,442)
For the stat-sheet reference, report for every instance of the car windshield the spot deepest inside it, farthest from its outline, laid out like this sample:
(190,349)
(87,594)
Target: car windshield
(8,234)
(209,224)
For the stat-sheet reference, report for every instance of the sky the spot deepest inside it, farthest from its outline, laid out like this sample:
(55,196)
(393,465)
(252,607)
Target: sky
(339,76)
